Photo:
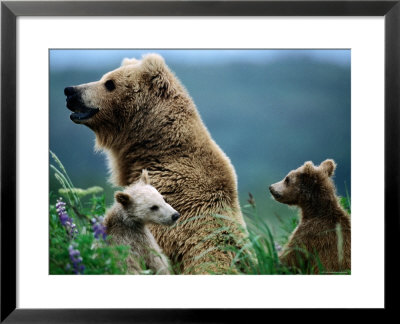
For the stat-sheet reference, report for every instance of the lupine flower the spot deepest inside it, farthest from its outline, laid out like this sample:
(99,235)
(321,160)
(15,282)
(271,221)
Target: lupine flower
(76,259)
(65,219)
(99,229)
(278,247)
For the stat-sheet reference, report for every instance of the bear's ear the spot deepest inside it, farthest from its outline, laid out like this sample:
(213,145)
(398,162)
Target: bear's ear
(328,166)
(145,177)
(123,198)
(308,167)
(156,72)
(127,61)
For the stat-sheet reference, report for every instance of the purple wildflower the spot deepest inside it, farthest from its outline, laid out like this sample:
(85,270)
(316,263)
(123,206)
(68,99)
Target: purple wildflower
(65,219)
(98,227)
(278,247)
(76,259)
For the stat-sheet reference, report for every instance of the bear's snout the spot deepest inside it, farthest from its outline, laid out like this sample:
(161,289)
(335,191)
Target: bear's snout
(273,192)
(81,112)
(175,216)
(73,99)
(69,91)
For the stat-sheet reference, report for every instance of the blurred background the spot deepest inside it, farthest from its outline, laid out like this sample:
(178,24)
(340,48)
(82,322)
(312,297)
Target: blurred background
(269,110)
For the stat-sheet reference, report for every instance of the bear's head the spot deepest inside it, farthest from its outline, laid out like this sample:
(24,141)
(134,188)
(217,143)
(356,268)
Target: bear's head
(142,203)
(122,98)
(306,184)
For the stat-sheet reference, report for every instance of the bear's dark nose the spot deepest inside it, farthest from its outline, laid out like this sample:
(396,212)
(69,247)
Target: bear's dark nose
(274,193)
(69,91)
(175,216)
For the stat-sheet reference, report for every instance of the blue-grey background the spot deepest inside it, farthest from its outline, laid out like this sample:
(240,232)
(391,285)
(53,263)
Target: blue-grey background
(269,110)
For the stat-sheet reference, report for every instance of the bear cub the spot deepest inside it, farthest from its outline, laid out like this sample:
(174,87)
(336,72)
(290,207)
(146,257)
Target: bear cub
(323,235)
(126,222)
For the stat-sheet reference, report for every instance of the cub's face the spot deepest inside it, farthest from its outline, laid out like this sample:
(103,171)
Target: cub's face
(143,203)
(119,94)
(304,184)
(287,191)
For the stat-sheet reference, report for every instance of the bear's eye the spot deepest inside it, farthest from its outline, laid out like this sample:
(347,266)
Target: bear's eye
(287,180)
(154,208)
(110,85)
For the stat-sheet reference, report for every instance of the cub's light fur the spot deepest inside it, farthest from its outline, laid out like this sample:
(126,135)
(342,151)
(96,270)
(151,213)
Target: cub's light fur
(126,222)
(324,232)
(147,120)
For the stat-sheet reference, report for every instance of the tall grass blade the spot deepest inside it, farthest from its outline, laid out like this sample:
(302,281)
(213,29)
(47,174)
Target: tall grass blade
(66,183)
(339,242)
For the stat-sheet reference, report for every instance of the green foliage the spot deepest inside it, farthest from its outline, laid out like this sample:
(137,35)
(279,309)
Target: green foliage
(101,258)
(62,176)
(260,254)
(346,201)
(98,256)
(59,243)
(80,192)
(97,205)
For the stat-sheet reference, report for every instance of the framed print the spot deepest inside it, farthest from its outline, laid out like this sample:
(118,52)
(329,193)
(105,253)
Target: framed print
(275,83)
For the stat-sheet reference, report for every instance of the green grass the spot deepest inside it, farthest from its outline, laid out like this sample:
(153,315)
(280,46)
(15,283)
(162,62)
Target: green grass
(96,255)
(257,253)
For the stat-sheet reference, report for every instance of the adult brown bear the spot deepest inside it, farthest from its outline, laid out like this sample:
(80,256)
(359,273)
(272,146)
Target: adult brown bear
(144,118)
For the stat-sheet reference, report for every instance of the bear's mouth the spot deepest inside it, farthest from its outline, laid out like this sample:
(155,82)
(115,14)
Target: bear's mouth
(80,112)
(83,114)
(274,193)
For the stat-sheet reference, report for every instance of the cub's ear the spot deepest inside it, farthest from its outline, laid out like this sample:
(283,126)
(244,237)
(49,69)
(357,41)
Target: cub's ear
(123,198)
(156,72)
(127,61)
(328,166)
(308,167)
(145,177)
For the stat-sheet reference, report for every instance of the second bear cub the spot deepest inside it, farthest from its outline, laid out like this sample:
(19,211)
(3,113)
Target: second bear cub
(322,237)
(126,222)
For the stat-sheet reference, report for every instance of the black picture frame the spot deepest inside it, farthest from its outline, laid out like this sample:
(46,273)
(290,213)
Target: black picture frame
(10,10)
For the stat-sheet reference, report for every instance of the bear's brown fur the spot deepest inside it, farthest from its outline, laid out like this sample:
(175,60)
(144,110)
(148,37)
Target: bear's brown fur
(145,119)
(323,236)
